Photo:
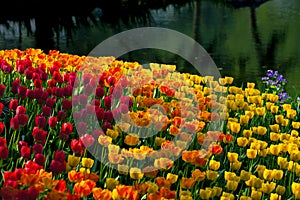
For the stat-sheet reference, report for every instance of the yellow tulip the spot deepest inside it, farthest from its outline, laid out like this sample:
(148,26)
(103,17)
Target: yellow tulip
(232,157)
(205,194)
(211,175)
(247,133)
(232,185)
(277,174)
(217,191)
(275,196)
(275,128)
(274,109)
(256,195)
(87,162)
(267,188)
(111,183)
(214,165)
(245,176)
(172,177)
(268,174)
(236,165)
(251,153)
(274,137)
(280,189)
(242,141)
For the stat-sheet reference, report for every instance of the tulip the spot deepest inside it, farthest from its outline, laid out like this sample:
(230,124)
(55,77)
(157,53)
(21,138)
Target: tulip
(40,121)
(66,104)
(61,115)
(37,148)
(13,104)
(46,111)
(3,152)
(20,110)
(99,92)
(87,139)
(2,89)
(25,152)
(57,167)
(77,147)
(52,121)
(14,123)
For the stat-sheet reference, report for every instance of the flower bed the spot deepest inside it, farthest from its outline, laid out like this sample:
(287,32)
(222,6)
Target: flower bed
(213,140)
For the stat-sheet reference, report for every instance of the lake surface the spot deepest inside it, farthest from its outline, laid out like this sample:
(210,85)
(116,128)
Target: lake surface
(244,42)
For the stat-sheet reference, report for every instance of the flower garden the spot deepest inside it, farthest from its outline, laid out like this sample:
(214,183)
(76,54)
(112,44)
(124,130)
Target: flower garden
(80,127)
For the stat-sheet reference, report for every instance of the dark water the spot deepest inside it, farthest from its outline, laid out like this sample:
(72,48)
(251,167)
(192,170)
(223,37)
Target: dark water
(244,42)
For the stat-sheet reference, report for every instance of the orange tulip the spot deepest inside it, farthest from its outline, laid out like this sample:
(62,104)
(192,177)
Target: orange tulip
(84,188)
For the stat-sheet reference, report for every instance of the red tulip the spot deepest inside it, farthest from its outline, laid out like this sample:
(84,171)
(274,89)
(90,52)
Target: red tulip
(39,159)
(3,153)
(52,121)
(2,142)
(68,90)
(25,152)
(57,167)
(14,123)
(38,83)
(57,76)
(59,92)
(32,193)
(23,119)
(2,89)
(66,104)
(39,135)
(1,107)
(13,104)
(15,85)
(61,186)
(21,110)
(22,144)
(50,102)
(31,167)
(31,94)
(22,91)
(77,147)
(51,83)
(67,128)
(108,115)
(40,121)
(37,148)
(106,125)
(99,92)
(100,113)
(2,128)
(61,115)
(66,77)
(28,73)
(6,68)
(35,76)
(59,156)
(107,101)
(111,80)
(95,102)
(44,76)
(46,111)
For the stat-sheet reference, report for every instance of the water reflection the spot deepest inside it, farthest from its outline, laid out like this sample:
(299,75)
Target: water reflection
(243,41)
